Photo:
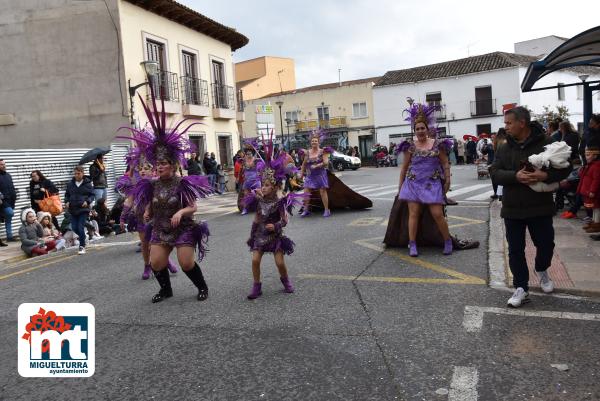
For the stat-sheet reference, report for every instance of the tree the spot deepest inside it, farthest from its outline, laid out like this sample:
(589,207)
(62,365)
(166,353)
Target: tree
(561,113)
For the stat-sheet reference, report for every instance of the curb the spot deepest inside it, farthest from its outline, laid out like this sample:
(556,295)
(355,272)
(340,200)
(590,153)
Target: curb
(498,259)
(14,259)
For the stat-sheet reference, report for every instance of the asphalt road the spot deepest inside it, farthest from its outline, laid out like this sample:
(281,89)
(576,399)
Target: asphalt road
(363,324)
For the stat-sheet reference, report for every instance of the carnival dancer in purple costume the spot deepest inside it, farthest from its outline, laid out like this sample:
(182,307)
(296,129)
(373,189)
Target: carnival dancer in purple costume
(424,167)
(314,171)
(135,218)
(271,217)
(169,202)
(251,178)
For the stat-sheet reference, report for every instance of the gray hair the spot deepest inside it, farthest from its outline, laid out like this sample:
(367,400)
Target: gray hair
(520,114)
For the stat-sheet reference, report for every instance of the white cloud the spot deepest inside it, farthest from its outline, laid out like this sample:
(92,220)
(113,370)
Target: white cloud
(367,38)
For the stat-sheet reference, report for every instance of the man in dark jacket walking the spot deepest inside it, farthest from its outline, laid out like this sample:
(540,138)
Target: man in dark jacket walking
(522,208)
(98,176)
(78,197)
(9,198)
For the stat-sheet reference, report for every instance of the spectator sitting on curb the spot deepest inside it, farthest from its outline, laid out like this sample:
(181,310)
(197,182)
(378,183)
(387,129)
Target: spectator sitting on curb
(67,231)
(50,231)
(33,242)
(103,218)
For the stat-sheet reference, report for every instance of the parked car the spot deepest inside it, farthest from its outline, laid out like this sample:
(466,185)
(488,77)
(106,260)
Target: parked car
(341,162)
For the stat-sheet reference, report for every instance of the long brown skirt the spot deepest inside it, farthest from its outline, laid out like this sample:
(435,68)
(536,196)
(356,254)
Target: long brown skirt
(428,233)
(340,196)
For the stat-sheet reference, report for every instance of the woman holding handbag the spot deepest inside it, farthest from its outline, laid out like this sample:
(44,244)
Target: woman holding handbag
(39,188)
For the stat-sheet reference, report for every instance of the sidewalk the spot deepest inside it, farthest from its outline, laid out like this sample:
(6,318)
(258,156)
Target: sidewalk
(575,267)
(11,253)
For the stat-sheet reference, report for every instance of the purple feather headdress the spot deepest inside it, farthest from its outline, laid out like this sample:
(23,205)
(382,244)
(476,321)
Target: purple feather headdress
(320,134)
(159,142)
(273,167)
(423,113)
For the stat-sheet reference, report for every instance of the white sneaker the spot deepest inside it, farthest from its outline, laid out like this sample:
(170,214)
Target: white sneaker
(519,297)
(545,282)
(81,250)
(97,237)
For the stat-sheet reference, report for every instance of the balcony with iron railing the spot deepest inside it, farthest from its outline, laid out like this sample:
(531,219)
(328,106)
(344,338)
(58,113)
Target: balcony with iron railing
(332,123)
(241,115)
(440,113)
(223,101)
(483,107)
(194,93)
(166,87)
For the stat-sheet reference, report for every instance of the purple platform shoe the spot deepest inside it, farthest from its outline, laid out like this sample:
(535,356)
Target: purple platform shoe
(448,247)
(256,291)
(147,272)
(327,213)
(287,285)
(412,249)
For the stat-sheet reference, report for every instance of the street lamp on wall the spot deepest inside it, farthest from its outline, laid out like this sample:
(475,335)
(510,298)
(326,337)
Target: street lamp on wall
(150,70)
(287,123)
(280,103)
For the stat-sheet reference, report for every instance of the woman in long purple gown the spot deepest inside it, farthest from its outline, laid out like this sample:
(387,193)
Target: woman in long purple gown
(314,171)
(424,167)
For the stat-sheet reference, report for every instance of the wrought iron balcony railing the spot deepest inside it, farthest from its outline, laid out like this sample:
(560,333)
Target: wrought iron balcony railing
(222,96)
(165,85)
(309,125)
(484,107)
(194,91)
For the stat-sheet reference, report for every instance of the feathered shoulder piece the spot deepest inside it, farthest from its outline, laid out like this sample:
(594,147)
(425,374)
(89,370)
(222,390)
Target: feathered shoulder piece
(193,187)
(142,193)
(404,146)
(445,144)
(159,142)
(328,149)
(125,185)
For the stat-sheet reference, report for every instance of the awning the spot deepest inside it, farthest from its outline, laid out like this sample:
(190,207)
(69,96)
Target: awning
(582,50)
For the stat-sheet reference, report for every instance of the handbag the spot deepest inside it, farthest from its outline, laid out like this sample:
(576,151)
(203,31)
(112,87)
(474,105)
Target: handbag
(51,204)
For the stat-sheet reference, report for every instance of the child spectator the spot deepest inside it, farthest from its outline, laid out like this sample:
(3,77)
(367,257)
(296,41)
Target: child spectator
(45,220)
(33,242)
(589,186)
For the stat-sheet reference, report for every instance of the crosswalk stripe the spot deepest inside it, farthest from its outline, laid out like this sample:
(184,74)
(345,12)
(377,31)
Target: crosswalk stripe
(470,188)
(360,187)
(378,189)
(481,196)
(393,191)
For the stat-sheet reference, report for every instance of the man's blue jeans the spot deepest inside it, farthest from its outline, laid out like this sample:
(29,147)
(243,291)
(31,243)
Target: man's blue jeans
(8,213)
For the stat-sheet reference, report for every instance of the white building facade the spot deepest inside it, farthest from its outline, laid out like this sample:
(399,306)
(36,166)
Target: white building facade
(472,93)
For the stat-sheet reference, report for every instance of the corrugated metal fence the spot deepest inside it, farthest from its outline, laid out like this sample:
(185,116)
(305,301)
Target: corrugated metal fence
(57,165)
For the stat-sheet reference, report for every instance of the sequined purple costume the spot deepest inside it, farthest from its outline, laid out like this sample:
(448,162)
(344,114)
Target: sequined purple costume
(251,180)
(423,181)
(315,178)
(270,212)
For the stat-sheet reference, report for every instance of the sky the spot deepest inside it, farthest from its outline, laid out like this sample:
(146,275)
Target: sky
(367,38)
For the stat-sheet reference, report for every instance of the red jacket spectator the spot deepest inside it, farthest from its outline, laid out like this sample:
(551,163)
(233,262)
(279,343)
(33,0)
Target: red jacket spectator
(238,171)
(590,184)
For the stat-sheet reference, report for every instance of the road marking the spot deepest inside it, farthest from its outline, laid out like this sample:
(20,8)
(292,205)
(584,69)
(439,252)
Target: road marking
(379,189)
(365,221)
(456,277)
(470,188)
(393,191)
(464,384)
(37,267)
(473,318)
(371,221)
(358,188)
(482,196)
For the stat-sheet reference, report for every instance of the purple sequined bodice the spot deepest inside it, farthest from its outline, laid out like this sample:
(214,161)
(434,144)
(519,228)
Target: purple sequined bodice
(423,181)
(316,178)
(165,203)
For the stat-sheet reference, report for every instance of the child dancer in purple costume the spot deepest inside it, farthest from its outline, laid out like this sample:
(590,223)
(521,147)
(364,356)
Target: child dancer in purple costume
(135,218)
(314,171)
(170,202)
(424,167)
(251,178)
(271,217)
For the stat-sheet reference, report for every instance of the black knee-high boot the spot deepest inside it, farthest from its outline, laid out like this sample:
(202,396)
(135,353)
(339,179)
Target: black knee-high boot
(195,275)
(165,285)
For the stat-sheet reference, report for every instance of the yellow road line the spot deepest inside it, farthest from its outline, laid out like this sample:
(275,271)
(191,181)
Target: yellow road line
(416,280)
(36,267)
(459,278)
